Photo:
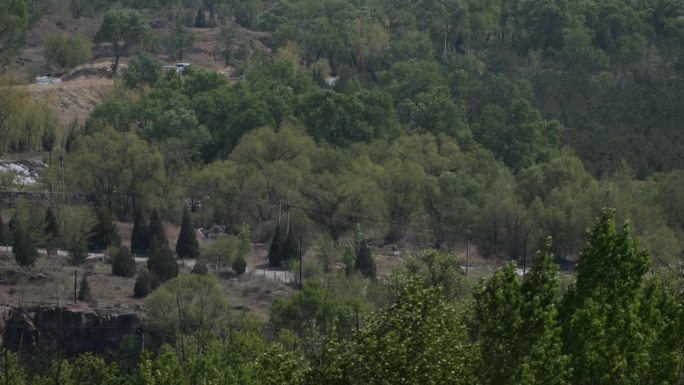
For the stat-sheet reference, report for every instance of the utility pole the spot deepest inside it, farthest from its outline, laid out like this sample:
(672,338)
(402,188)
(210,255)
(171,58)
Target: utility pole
(75,286)
(467,251)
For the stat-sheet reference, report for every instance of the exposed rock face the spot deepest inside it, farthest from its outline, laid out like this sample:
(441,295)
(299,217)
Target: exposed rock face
(78,329)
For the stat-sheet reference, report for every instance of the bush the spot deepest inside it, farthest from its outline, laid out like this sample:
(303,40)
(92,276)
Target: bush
(67,50)
(364,261)
(200,268)
(143,285)
(240,265)
(123,264)
(84,291)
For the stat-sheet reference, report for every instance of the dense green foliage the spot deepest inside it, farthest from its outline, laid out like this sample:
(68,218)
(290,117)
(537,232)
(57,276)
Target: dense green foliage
(143,284)
(276,250)
(124,30)
(187,245)
(428,123)
(67,51)
(105,233)
(161,261)
(123,263)
(25,252)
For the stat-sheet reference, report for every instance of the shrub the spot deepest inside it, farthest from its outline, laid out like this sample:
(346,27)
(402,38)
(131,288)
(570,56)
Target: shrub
(143,284)
(123,264)
(200,268)
(364,261)
(240,265)
(67,50)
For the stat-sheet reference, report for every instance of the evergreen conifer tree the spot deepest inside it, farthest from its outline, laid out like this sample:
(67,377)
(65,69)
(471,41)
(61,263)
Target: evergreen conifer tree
(239,265)
(52,232)
(364,261)
(105,233)
(161,261)
(187,246)
(123,263)
(84,294)
(3,232)
(291,247)
(157,229)
(140,237)
(24,252)
(275,252)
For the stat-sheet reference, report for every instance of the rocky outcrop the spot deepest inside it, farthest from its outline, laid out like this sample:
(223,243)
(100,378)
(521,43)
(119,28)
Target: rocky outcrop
(77,329)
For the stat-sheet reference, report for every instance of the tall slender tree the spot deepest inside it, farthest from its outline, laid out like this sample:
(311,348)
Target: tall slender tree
(187,245)
(364,261)
(52,233)
(603,334)
(157,228)
(161,261)
(24,251)
(140,237)
(105,233)
(275,252)
(291,247)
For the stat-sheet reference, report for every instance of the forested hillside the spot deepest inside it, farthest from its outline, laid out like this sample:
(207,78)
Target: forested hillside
(337,128)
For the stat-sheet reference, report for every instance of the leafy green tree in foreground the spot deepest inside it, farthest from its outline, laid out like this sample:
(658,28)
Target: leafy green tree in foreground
(187,246)
(604,334)
(420,339)
(518,329)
